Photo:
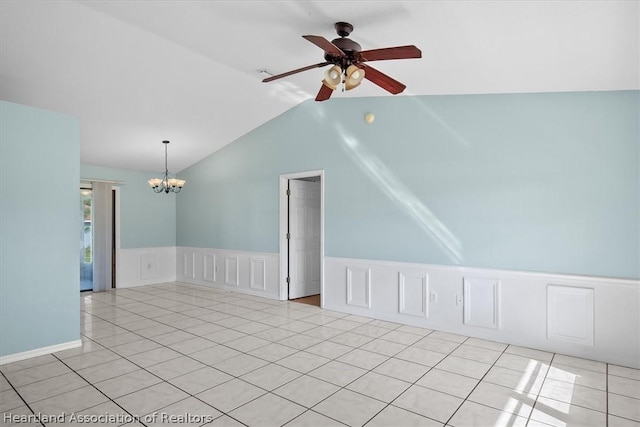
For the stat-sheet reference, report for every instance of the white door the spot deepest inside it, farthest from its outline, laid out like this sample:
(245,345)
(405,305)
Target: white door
(304,238)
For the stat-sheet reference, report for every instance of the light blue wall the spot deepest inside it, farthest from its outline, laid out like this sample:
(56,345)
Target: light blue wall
(147,219)
(40,226)
(536,182)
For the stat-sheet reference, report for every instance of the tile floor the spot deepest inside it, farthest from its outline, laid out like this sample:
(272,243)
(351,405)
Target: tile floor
(176,353)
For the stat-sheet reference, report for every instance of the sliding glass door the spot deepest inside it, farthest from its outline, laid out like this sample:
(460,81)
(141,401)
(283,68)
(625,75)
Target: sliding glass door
(86,240)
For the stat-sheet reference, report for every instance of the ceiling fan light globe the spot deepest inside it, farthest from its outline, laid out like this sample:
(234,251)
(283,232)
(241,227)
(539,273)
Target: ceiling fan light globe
(354,77)
(332,77)
(348,85)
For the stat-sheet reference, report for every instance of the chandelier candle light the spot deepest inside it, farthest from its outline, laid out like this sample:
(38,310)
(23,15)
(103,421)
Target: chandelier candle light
(166,184)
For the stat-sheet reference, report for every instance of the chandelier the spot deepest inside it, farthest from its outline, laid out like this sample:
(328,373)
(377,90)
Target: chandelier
(166,184)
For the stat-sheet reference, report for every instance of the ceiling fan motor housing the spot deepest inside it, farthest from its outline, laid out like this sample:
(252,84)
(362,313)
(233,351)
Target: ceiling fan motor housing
(346,45)
(350,49)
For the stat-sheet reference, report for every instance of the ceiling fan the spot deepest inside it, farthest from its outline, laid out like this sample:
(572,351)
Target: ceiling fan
(348,60)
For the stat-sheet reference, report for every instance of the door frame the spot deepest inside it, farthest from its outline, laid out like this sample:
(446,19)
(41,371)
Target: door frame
(284,219)
(116,238)
(115,279)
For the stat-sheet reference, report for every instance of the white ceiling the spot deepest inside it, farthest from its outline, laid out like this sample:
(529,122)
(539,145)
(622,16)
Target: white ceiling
(138,72)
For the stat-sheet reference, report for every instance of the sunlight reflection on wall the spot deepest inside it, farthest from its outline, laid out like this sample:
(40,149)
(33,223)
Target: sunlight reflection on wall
(398,193)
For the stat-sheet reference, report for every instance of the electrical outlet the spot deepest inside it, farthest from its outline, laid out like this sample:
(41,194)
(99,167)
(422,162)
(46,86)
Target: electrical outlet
(433,297)
(459,300)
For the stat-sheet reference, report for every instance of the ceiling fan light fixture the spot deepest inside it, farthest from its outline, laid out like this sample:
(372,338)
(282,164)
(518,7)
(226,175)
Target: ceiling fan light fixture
(333,77)
(348,60)
(354,77)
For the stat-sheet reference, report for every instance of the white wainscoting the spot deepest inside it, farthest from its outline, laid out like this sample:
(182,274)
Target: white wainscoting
(255,273)
(591,317)
(145,266)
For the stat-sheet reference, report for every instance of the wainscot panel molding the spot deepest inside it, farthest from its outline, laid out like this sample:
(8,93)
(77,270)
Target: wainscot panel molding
(591,317)
(359,287)
(16,357)
(145,266)
(570,314)
(254,273)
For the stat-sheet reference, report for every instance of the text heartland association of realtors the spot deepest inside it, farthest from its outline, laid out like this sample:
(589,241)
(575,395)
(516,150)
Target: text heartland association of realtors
(106,418)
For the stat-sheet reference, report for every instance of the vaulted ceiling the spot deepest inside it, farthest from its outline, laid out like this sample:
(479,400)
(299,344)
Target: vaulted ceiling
(138,72)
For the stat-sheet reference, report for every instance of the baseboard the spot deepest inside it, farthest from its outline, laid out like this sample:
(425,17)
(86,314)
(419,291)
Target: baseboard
(135,284)
(16,357)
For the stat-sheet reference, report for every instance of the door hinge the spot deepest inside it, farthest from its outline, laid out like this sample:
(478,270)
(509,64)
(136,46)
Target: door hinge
(288,236)
(288,192)
(288,279)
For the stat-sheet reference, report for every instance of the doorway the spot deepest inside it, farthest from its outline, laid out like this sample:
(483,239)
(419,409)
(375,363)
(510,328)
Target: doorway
(88,250)
(302,237)
(86,240)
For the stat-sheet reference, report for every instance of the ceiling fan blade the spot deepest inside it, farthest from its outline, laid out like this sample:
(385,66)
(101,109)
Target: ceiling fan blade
(324,93)
(325,45)
(398,52)
(385,82)
(299,70)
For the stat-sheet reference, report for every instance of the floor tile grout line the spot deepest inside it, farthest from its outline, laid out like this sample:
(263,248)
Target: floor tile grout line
(110,399)
(546,376)
(605,391)
(315,412)
(606,395)
(88,383)
(193,317)
(429,370)
(31,367)
(177,312)
(177,298)
(379,337)
(151,338)
(58,394)
(339,386)
(302,333)
(164,345)
(559,380)
(580,367)
(21,398)
(267,391)
(363,344)
(415,383)
(236,377)
(466,399)
(162,380)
